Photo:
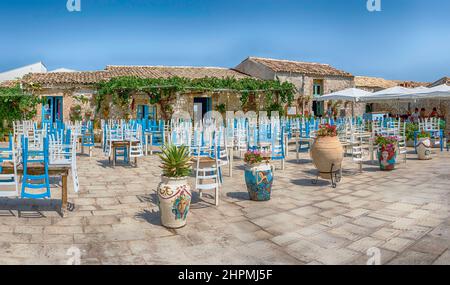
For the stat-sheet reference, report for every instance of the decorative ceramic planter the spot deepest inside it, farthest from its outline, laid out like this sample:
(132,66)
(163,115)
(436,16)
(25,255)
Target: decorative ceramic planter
(327,153)
(387,157)
(174,200)
(259,180)
(423,148)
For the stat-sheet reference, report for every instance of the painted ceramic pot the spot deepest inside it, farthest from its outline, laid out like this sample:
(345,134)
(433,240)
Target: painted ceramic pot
(423,148)
(174,200)
(325,153)
(259,180)
(387,157)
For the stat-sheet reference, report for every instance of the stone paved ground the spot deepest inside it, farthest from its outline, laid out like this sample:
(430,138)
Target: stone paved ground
(405,214)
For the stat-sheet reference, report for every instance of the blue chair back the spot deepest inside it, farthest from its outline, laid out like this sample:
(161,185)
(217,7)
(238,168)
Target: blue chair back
(33,181)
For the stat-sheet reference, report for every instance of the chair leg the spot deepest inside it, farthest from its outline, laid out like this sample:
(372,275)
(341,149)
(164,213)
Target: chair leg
(217,196)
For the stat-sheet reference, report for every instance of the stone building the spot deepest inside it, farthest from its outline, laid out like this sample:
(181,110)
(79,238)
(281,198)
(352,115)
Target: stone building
(443,80)
(311,79)
(63,91)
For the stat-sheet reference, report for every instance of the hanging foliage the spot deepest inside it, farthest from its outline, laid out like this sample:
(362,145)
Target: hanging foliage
(163,91)
(15,104)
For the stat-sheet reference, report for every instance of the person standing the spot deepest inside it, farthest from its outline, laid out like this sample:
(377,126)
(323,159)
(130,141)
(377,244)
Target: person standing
(415,116)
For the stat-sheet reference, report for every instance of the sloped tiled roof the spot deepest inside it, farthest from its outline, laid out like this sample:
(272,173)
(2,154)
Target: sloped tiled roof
(443,80)
(179,71)
(9,83)
(92,77)
(412,84)
(374,82)
(309,68)
(86,77)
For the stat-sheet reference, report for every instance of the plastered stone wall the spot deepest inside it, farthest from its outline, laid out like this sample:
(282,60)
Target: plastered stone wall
(69,100)
(305,86)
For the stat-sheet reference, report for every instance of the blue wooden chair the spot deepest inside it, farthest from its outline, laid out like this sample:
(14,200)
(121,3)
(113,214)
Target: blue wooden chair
(87,136)
(32,181)
(448,142)
(8,149)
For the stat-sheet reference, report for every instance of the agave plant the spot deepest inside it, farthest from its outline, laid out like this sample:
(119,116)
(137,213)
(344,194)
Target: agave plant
(175,161)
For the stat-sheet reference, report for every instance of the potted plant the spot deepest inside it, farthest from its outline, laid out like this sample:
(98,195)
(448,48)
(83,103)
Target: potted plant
(387,151)
(174,193)
(75,113)
(411,128)
(423,146)
(327,152)
(258,175)
(88,115)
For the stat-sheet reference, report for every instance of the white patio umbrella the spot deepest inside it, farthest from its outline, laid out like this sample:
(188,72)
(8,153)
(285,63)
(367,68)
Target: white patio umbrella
(393,93)
(351,94)
(438,92)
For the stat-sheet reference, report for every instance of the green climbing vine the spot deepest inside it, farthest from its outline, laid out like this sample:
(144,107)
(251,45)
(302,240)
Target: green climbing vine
(15,104)
(163,91)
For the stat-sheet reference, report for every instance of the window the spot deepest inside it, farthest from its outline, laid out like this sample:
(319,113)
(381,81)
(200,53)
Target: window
(317,87)
(146,112)
(317,90)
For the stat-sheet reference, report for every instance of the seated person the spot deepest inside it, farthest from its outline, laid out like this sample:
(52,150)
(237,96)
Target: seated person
(423,113)
(434,113)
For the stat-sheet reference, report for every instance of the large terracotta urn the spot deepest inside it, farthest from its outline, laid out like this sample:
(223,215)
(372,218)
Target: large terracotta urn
(259,180)
(325,153)
(174,200)
(423,148)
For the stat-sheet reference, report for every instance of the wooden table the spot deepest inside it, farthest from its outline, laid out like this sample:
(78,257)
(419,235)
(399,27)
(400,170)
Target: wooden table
(149,140)
(203,159)
(38,169)
(119,144)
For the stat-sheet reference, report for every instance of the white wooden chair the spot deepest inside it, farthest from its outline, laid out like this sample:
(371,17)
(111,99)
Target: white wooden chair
(358,152)
(207,176)
(65,153)
(136,148)
(9,183)
(402,148)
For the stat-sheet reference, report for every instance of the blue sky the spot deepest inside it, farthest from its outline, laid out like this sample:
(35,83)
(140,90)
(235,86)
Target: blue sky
(407,40)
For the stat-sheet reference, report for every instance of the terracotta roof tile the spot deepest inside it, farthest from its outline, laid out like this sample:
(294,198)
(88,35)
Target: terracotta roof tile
(278,65)
(374,82)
